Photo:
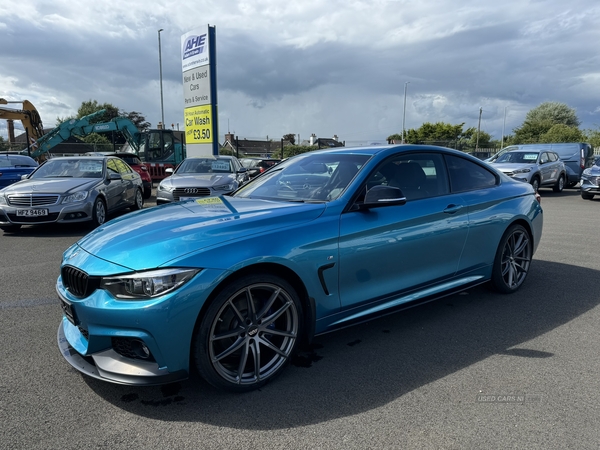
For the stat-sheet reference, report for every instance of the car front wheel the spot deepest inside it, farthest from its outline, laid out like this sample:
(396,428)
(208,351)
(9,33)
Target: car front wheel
(512,261)
(98,212)
(248,333)
(587,196)
(535,183)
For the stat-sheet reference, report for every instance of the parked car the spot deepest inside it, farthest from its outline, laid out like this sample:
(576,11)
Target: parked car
(539,168)
(256,166)
(202,177)
(13,167)
(577,157)
(136,164)
(352,233)
(69,190)
(589,184)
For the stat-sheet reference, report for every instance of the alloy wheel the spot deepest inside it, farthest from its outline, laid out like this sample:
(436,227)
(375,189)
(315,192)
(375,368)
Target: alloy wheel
(253,334)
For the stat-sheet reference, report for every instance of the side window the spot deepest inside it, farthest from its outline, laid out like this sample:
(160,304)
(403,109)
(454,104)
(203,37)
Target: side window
(544,158)
(466,175)
(112,166)
(553,157)
(121,167)
(418,175)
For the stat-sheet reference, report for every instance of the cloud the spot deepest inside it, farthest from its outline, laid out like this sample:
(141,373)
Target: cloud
(318,66)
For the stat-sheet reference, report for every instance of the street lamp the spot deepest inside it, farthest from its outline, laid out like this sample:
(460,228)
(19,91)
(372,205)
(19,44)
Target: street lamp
(503,125)
(404,111)
(162,109)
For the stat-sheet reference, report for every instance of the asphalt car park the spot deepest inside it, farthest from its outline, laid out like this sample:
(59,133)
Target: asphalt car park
(473,370)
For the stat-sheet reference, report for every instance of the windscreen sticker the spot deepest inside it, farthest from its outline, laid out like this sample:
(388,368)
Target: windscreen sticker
(90,166)
(220,165)
(213,204)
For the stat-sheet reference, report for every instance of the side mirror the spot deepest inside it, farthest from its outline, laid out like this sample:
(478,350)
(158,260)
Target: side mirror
(242,170)
(114,176)
(381,195)
(169,170)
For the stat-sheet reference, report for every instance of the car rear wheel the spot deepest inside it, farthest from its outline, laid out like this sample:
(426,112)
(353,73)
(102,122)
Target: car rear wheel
(512,261)
(98,212)
(139,201)
(560,184)
(248,333)
(10,228)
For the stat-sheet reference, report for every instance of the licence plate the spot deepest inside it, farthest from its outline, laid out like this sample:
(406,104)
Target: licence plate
(67,310)
(31,212)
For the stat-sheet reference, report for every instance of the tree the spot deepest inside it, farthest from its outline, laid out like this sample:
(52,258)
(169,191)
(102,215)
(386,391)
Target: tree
(438,133)
(137,118)
(592,137)
(92,106)
(555,112)
(111,111)
(3,144)
(562,133)
(541,119)
(290,137)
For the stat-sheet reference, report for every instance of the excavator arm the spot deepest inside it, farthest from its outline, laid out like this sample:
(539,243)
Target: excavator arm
(28,116)
(83,127)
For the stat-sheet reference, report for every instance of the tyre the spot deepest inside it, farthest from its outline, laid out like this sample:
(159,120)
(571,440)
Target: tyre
(138,201)
(147,193)
(560,184)
(535,182)
(10,228)
(587,196)
(98,212)
(512,260)
(248,334)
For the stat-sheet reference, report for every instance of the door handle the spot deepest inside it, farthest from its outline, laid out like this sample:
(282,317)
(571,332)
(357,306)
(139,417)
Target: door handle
(453,209)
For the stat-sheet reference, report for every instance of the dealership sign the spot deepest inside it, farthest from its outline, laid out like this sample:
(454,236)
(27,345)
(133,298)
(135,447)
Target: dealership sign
(198,64)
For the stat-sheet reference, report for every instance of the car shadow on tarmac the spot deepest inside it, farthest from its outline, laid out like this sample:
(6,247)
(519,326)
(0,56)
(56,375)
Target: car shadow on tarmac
(369,365)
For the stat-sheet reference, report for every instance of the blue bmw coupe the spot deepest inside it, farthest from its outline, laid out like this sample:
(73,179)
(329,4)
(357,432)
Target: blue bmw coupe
(232,286)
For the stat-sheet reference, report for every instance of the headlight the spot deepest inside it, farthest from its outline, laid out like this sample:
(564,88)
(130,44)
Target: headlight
(225,187)
(76,197)
(146,285)
(522,171)
(165,187)
(3,200)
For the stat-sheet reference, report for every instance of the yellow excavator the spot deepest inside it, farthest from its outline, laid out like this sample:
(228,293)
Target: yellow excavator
(28,116)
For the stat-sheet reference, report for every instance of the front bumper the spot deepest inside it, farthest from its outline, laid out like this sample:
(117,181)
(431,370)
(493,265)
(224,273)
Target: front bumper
(110,366)
(92,331)
(590,184)
(69,213)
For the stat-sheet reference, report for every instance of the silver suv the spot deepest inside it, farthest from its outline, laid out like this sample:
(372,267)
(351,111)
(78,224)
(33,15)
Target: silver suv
(541,168)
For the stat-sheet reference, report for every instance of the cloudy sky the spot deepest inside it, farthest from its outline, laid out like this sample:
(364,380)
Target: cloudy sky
(329,67)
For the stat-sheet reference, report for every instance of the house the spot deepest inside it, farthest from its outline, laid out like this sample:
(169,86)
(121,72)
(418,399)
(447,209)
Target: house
(249,147)
(323,142)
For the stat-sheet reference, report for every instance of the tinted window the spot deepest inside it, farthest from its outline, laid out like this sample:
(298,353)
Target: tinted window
(466,175)
(418,175)
(122,167)
(112,165)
